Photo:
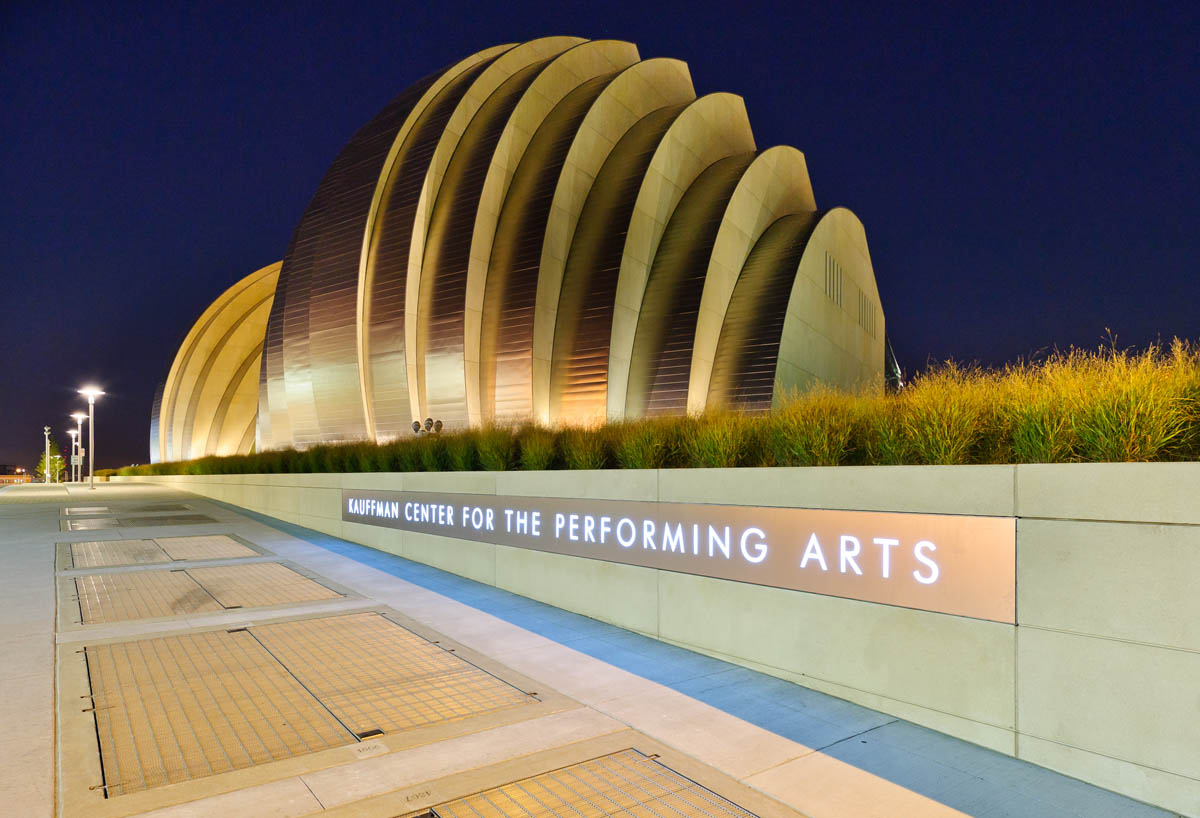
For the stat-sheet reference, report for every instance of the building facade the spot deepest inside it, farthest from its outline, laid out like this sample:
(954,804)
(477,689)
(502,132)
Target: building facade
(556,231)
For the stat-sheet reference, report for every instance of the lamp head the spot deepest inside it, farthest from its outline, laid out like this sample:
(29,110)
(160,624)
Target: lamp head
(91,393)
(72,433)
(45,430)
(79,417)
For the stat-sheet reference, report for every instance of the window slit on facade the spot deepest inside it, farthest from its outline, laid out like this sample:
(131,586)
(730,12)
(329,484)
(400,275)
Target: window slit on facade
(833,279)
(866,314)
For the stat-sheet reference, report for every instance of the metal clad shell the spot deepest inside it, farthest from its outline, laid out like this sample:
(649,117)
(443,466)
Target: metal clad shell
(387,263)
(316,353)
(506,350)
(555,231)
(662,350)
(579,376)
(744,369)
(447,253)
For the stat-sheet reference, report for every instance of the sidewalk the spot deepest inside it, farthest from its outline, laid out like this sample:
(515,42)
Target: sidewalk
(768,746)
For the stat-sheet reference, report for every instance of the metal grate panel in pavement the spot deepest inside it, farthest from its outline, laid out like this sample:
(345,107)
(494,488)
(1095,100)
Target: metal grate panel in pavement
(624,783)
(179,519)
(106,553)
(86,510)
(140,595)
(177,708)
(205,547)
(259,584)
(375,675)
(90,525)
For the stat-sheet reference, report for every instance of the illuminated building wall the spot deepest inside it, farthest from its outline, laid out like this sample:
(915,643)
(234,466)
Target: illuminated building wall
(208,403)
(564,232)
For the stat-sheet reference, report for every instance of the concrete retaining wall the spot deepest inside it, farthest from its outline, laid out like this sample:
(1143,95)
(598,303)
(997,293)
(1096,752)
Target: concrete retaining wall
(1100,679)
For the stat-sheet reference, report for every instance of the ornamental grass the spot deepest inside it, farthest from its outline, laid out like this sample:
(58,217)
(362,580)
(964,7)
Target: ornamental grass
(585,448)
(537,448)
(1078,406)
(496,448)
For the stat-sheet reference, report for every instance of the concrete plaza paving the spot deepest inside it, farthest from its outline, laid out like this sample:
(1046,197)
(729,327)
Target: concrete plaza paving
(768,746)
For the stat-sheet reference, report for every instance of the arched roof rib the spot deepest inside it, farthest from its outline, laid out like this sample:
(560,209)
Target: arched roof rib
(387,243)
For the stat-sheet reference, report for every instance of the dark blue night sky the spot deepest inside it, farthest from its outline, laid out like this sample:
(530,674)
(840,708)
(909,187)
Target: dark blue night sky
(1028,177)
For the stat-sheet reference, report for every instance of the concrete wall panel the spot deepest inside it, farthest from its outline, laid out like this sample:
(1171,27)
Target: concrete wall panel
(888,652)
(1138,492)
(473,560)
(624,595)
(1123,700)
(978,490)
(1071,573)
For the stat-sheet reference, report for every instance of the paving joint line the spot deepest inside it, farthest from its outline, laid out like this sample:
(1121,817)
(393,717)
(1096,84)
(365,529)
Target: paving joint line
(856,735)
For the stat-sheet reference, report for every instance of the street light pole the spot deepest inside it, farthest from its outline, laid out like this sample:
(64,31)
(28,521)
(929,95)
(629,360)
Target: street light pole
(91,393)
(79,417)
(46,469)
(74,448)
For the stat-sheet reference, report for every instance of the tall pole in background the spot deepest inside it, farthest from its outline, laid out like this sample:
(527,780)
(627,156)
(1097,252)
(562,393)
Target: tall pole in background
(74,449)
(91,393)
(46,469)
(79,417)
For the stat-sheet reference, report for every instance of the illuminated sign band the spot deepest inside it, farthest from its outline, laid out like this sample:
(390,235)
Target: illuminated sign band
(949,564)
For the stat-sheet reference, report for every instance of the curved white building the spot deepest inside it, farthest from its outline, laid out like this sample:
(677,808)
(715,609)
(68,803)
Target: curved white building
(557,230)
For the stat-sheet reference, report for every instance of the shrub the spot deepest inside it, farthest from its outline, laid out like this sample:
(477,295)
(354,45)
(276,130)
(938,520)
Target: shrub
(639,445)
(431,453)
(356,457)
(461,453)
(1041,432)
(584,448)
(536,447)
(496,448)
(407,455)
(383,458)
(1101,405)
(940,418)
(1036,418)
(881,440)
(814,430)
(1138,412)
(1185,372)
(721,440)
